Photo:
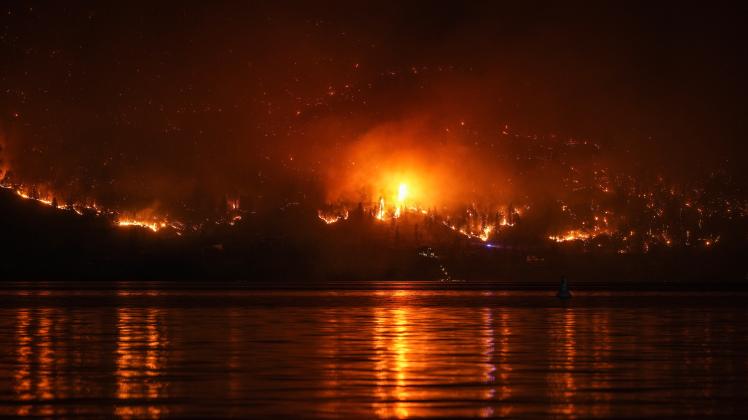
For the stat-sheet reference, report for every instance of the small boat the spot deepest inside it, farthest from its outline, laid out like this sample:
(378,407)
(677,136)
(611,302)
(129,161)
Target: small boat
(563,290)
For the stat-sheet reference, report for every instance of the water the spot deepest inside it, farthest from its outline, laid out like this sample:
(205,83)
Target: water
(134,353)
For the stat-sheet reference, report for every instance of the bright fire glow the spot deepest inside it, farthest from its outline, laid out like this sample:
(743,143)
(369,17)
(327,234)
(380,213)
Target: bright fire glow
(330,218)
(402,193)
(381,210)
(154,226)
(577,235)
(486,233)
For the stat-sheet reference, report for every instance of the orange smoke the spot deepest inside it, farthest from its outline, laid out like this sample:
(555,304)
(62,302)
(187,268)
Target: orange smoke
(3,159)
(411,165)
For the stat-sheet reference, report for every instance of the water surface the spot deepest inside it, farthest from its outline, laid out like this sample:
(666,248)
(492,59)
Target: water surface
(144,353)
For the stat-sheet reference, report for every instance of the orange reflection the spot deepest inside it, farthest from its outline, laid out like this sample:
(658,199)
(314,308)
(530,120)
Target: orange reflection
(487,354)
(561,380)
(140,362)
(504,364)
(421,359)
(601,351)
(234,362)
(392,352)
(45,356)
(37,362)
(336,373)
(22,375)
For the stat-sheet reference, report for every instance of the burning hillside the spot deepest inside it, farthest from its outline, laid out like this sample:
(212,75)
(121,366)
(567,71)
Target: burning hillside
(537,138)
(144,219)
(539,189)
(534,193)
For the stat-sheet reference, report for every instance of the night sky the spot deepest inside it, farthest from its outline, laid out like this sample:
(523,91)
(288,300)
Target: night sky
(143,104)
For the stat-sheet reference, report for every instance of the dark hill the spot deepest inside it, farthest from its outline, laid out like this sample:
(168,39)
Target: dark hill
(293,245)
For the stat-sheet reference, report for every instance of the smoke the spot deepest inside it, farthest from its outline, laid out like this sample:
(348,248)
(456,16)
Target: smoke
(133,106)
(437,168)
(3,163)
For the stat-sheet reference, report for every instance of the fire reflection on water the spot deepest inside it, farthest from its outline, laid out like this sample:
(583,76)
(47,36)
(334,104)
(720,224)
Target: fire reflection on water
(35,380)
(421,361)
(488,349)
(392,341)
(504,364)
(352,354)
(22,376)
(140,362)
(561,379)
(601,349)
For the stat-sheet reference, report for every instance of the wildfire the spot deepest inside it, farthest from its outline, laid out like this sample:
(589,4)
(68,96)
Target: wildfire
(399,208)
(577,235)
(24,193)
(505,222)
(31,193)
(572,235)
(332,218)
(486,233)
(380,209)
(483,234)
(402,193)
(154,226)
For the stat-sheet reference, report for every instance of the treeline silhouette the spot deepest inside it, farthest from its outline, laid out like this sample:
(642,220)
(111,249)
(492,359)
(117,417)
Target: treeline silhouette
(293,245)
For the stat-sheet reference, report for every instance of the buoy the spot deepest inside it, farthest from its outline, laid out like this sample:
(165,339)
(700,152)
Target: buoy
(563,290)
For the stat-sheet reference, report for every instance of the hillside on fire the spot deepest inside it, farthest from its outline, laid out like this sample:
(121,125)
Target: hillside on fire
(241,141)
(298,243)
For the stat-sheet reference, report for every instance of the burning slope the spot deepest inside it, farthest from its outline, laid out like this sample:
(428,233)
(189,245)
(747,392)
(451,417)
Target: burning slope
(400,169)
(412,165)
(145,219)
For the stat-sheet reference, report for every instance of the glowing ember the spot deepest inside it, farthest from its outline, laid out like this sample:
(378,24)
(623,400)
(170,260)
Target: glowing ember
(31,193)
(576,235)
(402,193)
(381,210)
(486,233)
(154,226)
(332,218)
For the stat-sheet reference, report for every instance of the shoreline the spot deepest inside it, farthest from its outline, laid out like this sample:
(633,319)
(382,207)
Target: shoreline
(385,285)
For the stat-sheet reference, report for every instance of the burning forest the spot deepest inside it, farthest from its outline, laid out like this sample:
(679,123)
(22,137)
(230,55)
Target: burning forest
(592,206)
(533,145)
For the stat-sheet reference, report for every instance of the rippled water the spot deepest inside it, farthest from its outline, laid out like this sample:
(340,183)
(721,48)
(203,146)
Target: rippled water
(371,353)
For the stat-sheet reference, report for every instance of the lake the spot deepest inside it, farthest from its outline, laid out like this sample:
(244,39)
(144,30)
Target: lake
(135,351)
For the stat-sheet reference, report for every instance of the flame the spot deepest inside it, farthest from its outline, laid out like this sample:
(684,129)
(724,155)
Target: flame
(48,199)
(399,208)
(402,193)
(380,210)
(578,235)
(154,226)
(22,192)
(486,233)
(332,218)
(572,235)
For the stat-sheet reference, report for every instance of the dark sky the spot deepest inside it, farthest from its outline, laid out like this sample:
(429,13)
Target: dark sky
(138,102)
